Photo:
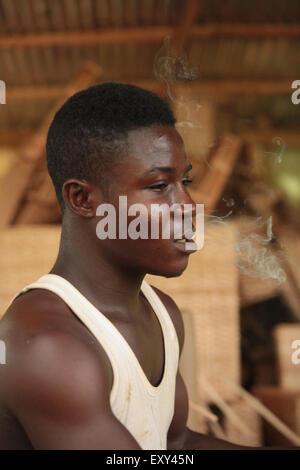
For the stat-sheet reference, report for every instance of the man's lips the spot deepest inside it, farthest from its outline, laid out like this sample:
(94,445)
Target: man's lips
(186,246)
(187,236)
(186,243)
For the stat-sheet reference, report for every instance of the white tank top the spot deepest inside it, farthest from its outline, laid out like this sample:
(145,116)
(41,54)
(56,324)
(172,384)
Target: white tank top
(146,411)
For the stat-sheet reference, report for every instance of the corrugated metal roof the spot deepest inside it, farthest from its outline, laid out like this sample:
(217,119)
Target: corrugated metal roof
(248,58)
(32,16)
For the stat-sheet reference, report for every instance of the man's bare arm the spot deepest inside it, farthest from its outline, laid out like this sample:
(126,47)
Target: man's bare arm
(59,391)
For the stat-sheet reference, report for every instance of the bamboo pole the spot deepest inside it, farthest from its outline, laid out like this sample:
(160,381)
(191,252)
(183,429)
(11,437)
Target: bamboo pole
(260,408)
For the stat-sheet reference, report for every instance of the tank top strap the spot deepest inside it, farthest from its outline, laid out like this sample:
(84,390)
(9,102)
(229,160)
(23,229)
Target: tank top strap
(162,313)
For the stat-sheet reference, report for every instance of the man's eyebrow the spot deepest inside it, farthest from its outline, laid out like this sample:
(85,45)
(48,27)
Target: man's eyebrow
(167,169)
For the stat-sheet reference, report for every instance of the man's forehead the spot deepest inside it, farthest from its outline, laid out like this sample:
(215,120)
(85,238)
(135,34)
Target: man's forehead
(155,142)
(149,152)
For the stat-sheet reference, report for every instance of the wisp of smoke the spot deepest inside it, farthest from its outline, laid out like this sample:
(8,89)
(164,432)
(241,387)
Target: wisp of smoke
(255,257)
(171,67)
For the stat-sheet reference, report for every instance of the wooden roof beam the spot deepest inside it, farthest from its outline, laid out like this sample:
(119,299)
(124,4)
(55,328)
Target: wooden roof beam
(215,88)
(101,36)
(221,165)
(246,30)
(151,34)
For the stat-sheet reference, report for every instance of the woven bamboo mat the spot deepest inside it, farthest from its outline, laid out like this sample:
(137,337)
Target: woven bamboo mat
(26,253)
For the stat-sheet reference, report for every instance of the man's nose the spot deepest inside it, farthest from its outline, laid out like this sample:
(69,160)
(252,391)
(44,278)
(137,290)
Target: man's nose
(185,211)
(187,205)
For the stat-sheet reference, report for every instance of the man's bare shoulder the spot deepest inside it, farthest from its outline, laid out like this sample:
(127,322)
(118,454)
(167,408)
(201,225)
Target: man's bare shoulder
(50,351)
(38,309)
(39,312)
(174,313)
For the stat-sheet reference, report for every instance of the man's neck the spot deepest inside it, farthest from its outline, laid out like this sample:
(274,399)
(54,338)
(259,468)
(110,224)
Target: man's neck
(109,287)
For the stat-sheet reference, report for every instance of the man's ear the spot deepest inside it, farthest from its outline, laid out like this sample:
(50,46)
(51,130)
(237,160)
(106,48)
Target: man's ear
(82,197)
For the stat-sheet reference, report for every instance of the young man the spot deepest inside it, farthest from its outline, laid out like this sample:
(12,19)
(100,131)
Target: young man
(92,350)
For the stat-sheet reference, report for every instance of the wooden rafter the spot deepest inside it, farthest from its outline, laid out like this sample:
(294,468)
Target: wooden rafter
(31,150)
(151,34)
(207,87)
(246,30)
(221,164)
(101,36)
(17,181)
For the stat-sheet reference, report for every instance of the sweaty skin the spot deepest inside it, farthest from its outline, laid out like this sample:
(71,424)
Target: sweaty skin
(55,387)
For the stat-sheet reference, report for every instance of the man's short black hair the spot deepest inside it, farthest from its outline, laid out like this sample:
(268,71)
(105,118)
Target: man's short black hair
(90,129)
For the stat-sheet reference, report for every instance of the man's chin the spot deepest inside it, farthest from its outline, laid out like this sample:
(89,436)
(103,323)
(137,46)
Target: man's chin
(176,271)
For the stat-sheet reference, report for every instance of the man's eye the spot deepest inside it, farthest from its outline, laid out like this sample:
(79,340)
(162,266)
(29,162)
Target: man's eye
(187,181)
(159,187)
